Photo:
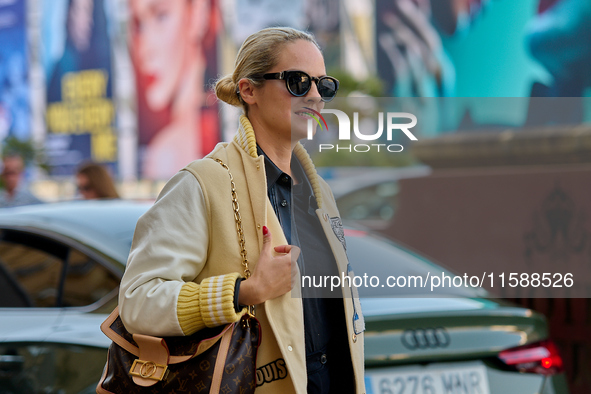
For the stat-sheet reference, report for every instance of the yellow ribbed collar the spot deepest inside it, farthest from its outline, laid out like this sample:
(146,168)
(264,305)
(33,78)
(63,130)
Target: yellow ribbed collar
(245,138)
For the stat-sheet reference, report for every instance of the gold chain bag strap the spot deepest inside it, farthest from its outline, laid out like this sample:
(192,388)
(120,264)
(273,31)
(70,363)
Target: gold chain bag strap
(212,360)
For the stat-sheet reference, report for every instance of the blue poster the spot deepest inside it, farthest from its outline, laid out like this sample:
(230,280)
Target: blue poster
(14,84)
(80,115)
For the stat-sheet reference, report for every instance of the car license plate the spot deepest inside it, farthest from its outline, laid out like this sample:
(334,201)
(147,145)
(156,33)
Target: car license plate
(428,380)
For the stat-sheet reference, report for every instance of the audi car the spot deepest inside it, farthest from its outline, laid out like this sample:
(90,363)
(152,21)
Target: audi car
(368,197)
(60,265)
(451,341)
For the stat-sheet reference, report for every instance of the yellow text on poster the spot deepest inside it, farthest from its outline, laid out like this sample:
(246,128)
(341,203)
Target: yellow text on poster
(85,109)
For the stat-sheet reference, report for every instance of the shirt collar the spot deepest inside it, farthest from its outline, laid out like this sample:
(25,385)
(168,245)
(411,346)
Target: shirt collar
(274,174)
(245,140)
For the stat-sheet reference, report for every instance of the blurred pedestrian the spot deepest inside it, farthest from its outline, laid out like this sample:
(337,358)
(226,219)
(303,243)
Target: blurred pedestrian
(14,193)
(93,181)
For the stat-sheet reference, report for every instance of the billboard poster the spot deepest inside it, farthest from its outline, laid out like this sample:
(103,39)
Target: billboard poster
(80,110)
(320,17)
(254,15)
(14,82)
(173,47)
(323,19)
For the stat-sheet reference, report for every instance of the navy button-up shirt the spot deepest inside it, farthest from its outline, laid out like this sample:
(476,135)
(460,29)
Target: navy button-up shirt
(295,206)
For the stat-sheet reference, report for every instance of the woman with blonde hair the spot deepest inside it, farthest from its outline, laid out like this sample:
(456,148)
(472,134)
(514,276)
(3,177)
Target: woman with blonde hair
(185,265)
(93,181)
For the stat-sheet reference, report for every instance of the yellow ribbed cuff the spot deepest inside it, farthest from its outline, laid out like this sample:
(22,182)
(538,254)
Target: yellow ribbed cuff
(216,300)
(208,304)
(187,309)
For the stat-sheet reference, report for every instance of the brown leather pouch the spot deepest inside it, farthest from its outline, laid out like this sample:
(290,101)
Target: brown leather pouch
(213,360)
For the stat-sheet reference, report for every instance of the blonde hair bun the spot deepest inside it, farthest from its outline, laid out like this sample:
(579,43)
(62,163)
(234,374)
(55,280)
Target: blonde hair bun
(226,90)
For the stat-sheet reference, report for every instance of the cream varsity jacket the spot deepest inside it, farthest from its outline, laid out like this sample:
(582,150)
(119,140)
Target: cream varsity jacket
(185,259)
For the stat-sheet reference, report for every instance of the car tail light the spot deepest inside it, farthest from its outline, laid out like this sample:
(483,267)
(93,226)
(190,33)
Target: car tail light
(540,357)
(355,233)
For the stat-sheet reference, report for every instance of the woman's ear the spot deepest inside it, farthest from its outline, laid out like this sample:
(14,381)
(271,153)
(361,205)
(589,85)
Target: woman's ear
(247,91)
(199,23)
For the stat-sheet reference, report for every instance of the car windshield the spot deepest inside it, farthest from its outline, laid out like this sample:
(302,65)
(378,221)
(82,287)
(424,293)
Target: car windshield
(396,271)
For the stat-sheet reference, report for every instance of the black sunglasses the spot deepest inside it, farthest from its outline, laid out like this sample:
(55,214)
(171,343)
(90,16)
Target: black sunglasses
(299,83)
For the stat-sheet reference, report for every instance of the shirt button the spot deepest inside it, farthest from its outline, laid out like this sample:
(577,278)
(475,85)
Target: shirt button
(285,179)
(284,203)
(323,359)
(290,348)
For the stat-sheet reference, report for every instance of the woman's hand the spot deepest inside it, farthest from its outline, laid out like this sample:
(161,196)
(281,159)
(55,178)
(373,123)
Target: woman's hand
(272,274)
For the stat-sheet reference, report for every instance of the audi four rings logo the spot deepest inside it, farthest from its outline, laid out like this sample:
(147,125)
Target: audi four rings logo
(425,338)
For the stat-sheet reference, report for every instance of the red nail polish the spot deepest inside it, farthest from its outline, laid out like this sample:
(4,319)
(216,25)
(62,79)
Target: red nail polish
(265,230)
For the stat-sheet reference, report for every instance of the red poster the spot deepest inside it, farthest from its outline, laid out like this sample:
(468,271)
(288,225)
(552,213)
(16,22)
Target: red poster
(174,53)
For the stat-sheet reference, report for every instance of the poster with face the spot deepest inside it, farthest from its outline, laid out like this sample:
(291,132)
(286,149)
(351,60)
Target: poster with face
(319,17)
(172,45)
(409,49)
(324,21)
(14,84)
(455,16)
(80,115)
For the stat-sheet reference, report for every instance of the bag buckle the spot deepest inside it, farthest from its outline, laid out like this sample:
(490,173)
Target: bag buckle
(148,370)
(250,313)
